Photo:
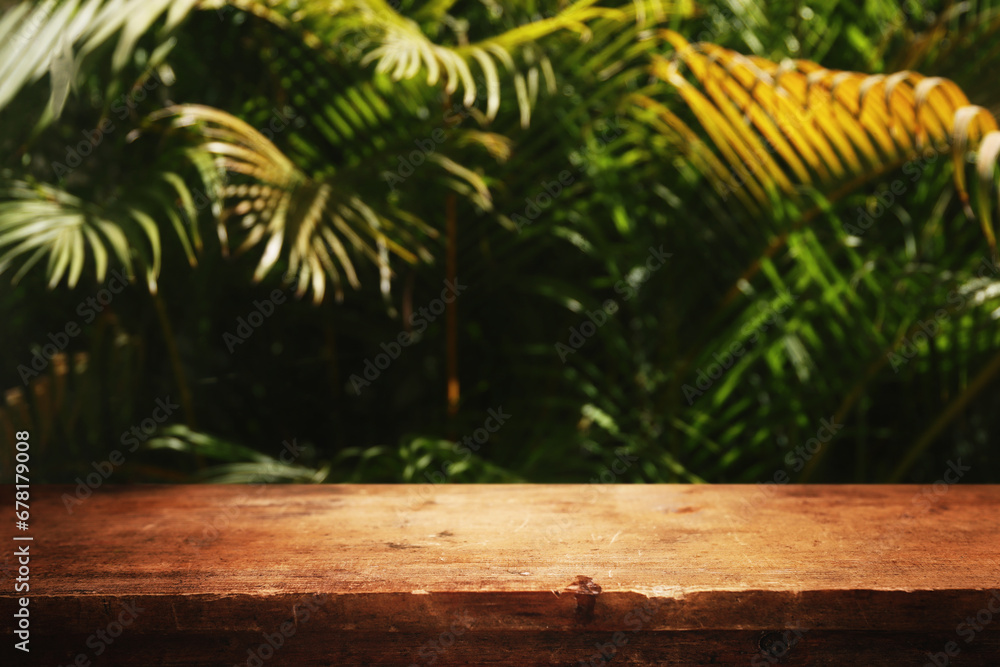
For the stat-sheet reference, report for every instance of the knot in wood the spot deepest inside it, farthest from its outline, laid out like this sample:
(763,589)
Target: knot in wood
(586,591)
(583,586)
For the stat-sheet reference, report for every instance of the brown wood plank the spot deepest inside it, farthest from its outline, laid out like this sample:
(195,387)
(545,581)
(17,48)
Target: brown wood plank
(370,574)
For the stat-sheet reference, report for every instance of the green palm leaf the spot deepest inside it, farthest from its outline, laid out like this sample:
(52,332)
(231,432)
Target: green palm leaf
(56,36)
(40,220)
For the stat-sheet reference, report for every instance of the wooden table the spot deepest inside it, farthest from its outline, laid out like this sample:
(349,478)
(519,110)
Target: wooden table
(510,575)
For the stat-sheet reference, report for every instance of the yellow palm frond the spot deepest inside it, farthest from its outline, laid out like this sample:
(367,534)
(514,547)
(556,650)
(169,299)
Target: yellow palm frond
(779,125)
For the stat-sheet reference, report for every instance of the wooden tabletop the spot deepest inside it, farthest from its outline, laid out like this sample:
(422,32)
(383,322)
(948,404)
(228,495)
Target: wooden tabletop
(513,574)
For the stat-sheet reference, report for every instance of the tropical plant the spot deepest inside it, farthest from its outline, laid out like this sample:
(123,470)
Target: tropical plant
(688,244)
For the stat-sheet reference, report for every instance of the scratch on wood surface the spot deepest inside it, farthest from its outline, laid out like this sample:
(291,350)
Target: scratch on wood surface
(177,623)
(614,538)
(862,610)
(523,524)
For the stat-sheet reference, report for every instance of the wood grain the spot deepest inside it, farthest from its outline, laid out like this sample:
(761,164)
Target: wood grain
(514,574)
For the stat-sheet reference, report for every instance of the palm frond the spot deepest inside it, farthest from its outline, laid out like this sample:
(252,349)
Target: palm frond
(41,220)
(55,37)
(314,222)
(778,126)
(400,48)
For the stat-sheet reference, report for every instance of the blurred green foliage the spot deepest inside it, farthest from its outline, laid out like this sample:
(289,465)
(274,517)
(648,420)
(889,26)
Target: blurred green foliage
(563,190)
